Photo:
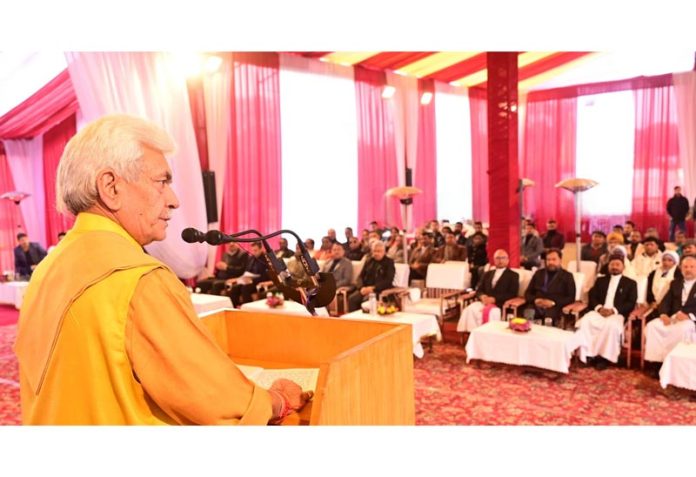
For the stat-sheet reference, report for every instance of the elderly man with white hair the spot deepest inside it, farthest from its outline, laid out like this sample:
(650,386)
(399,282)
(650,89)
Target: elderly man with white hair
(611,300)
(376,276)
(108,334)
(495,288)
(677,314)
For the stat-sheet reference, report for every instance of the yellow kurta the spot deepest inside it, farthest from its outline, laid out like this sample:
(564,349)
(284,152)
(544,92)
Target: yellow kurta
(108,335)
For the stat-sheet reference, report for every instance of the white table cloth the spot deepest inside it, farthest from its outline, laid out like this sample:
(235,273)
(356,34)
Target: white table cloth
(421,325)
(679,367)
(289,308)
(205,303)
(542,347)
(12,293)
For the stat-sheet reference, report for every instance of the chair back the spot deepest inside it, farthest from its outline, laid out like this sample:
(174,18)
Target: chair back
(589,269)
(579,278)
(449,275)
(357,269)
(525,276)
(642,285)
(401,275)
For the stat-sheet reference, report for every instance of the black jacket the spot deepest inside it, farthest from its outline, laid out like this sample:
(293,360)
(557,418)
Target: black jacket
(36,254)
(378,274)
(624,299)
(651,277)
(560,289)
(677,208)
(671,303)
(506,287)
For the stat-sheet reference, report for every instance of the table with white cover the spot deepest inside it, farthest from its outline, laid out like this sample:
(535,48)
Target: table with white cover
(422,325)
(679,367)
(204,303)
(12,293)
(288,307)
(543,347)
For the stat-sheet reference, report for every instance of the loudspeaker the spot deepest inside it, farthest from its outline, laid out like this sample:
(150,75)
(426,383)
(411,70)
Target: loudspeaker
(409,176)
(209,193)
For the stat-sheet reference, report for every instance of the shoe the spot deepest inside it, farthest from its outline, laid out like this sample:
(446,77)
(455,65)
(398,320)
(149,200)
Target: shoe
(601,364)
(653,369)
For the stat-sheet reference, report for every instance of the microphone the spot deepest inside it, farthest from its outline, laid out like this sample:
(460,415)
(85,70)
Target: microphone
(191,235)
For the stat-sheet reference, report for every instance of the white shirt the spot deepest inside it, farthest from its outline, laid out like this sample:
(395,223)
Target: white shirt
(686,289)
(496,276)
(611,292)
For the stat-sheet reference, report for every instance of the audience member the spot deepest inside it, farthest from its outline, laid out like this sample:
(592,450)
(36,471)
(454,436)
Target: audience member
(60,237)
(355,251)
(339,266)
(689,248)
(295,268)
(478,258)
(365,241)
(458,229)
(649,260)
(243,287)
(677,209)
(596,248)
(438,240)
(309,245)
(679,241)
(283,250)
(551,288)
(376,276)
(469,239)
(331,233)
(395,248)
(552,238)
(374,227)
(497,286)
(421,257)
(324,253)
(614,240)
(652,232)
(232,265)
(611,299)
(629,227)
(635,245)
(450,251)
(677,313)
(618,229)
(27,255)
(532,247)
(349,234)
(660,278)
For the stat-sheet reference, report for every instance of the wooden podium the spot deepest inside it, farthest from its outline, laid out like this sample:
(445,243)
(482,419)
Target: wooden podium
(365,368)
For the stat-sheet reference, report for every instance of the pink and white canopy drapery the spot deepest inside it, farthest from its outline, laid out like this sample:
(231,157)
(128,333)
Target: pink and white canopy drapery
(425,170)
(548,158)
(377,165)
(685,101)
(11,221)
(252,195)
(478,107)
(25,159)
(149,85)
(656,161)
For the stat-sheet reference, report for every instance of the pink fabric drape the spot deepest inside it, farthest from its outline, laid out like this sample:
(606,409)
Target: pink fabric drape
(376,153)
(478,108)
(253,180)
(425,174)
(11,221)
(549,157)
(656,162)
(54,142)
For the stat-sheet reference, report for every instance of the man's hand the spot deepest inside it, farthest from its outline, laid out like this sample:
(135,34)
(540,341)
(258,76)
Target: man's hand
(364,291)
(221,265)
(606,312)
(544,303)
(681,316)
(287,396)
(665,319)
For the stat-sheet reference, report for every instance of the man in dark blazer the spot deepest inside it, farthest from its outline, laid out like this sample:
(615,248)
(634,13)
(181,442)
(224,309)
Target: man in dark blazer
(677,314)
(496,287)
(27,256)
(339,266)
(551,288)
(611,300)
(376,276)
(244,286)
(232,265)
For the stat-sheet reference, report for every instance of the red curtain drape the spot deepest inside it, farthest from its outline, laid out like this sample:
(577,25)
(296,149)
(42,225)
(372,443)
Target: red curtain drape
(478,107)
(11,221)
(376,152)
(549,157)
(425,205)
(47,107)
(54,142)
(656,162)
(252,195)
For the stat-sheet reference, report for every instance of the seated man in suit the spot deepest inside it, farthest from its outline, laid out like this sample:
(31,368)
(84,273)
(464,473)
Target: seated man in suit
(596,248)
(612,298)
(497,286)
(677,314)
(532,247)
(451,251)
(421,257)
(340,267)
(232,265)
(377,275)
(478,258)
(551,288)
(27,256)
(283,250)
(354,251)
(256,271)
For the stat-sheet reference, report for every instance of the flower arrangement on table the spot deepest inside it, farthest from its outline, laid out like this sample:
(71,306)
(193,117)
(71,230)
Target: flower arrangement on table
(520,324)
(274,301)
(383,309)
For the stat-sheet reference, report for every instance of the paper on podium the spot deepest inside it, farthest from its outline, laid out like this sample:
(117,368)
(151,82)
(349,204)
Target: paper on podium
(306,378)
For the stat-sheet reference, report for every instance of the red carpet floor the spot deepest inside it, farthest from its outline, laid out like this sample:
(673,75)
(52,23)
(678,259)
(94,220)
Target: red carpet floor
(8,315)
(450,392)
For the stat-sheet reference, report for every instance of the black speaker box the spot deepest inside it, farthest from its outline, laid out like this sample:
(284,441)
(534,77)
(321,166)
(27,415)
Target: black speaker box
(209,193)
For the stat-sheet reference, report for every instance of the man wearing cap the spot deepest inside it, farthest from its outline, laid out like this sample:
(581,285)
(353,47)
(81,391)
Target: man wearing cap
(649,260)
(612,298)
(677,314)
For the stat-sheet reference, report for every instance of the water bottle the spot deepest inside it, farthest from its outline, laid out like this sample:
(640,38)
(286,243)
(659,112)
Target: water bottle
(373,304)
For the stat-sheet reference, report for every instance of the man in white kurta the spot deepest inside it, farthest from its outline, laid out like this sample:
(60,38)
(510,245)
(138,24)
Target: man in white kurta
(649,259)
(677,314)
(611,299)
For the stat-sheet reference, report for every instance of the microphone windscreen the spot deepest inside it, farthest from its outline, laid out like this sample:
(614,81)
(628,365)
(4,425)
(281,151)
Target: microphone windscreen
(191,235)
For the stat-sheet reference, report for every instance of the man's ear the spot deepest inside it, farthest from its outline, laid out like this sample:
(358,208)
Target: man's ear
(110,189)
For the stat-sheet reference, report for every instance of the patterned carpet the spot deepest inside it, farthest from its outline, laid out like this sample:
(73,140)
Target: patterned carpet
(448,391)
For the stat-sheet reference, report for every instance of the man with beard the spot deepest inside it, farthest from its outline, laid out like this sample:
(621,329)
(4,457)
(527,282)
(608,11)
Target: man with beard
(551,288)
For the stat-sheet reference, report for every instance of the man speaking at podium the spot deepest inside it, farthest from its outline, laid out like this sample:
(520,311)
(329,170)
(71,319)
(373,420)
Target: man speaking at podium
(107,334)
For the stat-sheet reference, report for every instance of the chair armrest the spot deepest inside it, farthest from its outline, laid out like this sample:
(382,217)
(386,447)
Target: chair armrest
(469,295)
(574,308)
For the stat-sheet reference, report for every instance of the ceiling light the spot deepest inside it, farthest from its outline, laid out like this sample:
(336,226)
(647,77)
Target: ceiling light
(213,63)
(388,92)
(426,98)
